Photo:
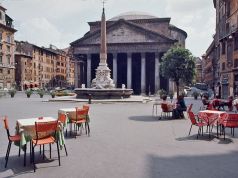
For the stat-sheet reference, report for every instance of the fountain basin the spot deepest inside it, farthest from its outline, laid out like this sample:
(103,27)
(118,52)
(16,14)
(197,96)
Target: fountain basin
(115,93)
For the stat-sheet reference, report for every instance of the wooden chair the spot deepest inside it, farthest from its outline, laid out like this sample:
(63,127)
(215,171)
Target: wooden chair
(11,138)
(80,119)
(45,127)
(86,107)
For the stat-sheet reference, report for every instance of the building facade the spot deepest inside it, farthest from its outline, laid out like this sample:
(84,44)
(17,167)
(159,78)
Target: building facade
(226,45)
(136,43)
(42,67)
(210,63)
(199,71)
(7,49)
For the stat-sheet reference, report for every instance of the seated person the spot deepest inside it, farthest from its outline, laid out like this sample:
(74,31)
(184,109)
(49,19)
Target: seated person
(217,103)
(180,107)
(169,105)
(205,101)
(228,103)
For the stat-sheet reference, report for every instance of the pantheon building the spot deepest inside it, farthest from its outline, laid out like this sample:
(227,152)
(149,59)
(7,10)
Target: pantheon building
(136,43)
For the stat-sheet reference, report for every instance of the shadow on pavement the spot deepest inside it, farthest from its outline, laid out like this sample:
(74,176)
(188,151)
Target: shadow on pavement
(15,165)
(205,137)
(151,118)
(194,166)
(144,118)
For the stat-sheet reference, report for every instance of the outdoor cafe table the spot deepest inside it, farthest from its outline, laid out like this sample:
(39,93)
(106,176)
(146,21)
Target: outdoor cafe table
(71,114)
(210,117)
(26,129)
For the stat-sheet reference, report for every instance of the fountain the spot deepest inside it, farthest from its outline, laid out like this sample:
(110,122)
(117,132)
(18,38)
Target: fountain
(103,86)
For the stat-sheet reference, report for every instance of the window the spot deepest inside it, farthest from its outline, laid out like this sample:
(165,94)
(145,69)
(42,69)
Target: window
(0,15)
(228,9)
(223,66)
(9,71)
(9,59)
(223,46)
(236,42)
(8,38)
(1,36)
(8,49)
(236,63)
(0,70)
(227,27)
(0,59)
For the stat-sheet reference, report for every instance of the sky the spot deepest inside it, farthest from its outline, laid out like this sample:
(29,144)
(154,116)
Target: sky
(60,22)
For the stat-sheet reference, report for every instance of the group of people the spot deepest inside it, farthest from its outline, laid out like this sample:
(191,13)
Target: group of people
(177,108)
(218,103)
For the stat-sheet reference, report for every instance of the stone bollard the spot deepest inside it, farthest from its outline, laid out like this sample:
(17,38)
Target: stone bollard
(89,98)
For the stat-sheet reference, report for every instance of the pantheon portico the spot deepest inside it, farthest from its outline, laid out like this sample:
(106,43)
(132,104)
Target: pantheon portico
(136,43)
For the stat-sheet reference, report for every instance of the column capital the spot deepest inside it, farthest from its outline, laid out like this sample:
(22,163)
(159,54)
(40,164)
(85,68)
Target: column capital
(143,55)
(157,55)
(129,55)
(88,55)
(114,55)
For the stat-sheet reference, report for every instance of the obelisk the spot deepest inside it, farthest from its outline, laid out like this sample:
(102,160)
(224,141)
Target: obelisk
(103,77)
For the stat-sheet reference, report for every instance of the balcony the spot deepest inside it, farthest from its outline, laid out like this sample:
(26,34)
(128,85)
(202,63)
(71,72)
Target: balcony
(11,66)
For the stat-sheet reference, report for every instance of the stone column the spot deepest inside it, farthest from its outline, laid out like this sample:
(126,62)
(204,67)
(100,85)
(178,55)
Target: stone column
(129,70)
(76,79)
(89,70)
(114,55)
(143,73)
(157,72)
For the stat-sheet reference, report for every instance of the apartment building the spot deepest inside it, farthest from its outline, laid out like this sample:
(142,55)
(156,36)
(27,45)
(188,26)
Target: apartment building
(7,49)
(42,67)
(226,42)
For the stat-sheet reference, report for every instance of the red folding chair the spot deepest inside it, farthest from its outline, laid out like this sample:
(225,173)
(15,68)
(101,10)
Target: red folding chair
(210,119)
(165,110)
(41,128)
(86,107)
(194,122)
(230,121)
(81,118)
(63,119)
(11,138)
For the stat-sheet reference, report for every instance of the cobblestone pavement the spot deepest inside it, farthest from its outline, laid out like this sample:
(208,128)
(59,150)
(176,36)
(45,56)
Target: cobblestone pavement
(126,142)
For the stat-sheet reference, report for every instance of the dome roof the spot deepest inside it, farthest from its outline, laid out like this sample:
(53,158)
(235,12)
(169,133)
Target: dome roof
(133,16)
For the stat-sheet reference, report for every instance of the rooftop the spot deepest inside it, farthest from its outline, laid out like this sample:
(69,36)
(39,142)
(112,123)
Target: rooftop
(133,16)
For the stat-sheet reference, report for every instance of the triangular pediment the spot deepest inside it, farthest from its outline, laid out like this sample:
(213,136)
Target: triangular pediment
(124,32)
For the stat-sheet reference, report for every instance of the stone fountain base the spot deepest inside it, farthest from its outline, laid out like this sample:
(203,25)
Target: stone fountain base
(115,93)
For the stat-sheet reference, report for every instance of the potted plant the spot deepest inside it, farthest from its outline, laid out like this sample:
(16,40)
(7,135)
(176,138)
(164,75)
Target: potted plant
(162,93)
(28,93)
(12,92)
(195,95)
(41,92)
(52,93)
(171,95)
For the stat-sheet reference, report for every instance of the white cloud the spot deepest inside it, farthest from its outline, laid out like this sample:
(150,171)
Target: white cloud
(66,20)
(40,31)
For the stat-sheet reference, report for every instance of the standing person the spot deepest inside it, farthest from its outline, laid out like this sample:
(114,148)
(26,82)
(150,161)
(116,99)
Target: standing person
(218,90)
(180,107)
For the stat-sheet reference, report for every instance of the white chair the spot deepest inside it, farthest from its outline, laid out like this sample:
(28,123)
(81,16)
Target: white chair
(157,102)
